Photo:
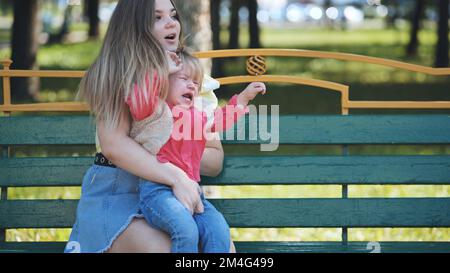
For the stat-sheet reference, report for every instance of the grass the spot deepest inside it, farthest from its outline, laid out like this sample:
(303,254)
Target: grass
(366,82)
(77,56)
(371,42)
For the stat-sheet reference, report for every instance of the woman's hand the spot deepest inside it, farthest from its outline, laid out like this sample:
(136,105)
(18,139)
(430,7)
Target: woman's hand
(187,192)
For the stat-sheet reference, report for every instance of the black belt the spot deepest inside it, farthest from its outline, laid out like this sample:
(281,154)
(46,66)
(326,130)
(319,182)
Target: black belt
(101,160)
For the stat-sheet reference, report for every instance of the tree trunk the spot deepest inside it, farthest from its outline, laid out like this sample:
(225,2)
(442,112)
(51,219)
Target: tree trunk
(233,41)
(253,24)
(92,7)
(217,64)
(328,22)
(25,44)
(416,19)
(64,30)
(393,14)
(442,58)
(195,15)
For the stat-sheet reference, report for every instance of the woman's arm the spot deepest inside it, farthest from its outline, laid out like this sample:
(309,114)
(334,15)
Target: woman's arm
(127,154)
(212,158)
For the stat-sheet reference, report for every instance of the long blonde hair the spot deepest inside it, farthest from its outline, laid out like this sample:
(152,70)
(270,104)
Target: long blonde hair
(129,53)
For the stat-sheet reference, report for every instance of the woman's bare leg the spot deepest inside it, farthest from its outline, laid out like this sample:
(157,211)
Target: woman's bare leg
(232,248)
(140,237)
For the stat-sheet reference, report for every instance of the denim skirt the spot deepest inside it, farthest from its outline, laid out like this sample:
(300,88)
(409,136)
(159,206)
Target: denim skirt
(109,202)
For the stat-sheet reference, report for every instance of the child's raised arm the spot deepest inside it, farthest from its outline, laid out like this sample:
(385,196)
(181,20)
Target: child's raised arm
(226,117)
(250,93)
(143,100)
(174,62)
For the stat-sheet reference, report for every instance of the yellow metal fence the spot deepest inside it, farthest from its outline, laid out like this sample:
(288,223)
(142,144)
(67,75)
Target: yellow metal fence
(256,67)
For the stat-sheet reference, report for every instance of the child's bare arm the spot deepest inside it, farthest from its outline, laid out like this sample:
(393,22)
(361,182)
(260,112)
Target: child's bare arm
(212,159)
(250,93)
(227,116)
(174,62)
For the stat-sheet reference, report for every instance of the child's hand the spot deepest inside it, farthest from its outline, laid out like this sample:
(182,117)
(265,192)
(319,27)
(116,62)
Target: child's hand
(250,93)
(174,61)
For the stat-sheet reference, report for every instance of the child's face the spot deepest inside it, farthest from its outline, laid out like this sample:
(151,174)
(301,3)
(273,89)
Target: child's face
(182,88)
(167,27)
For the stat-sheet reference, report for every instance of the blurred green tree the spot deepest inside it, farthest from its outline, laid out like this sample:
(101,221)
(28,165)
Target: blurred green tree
(64,29)
(233,28)
(253,24)
(217,64)
(24,48)
(5,6)
(195,15)
(416,20)
(442,46)
(91,9)
(328,22)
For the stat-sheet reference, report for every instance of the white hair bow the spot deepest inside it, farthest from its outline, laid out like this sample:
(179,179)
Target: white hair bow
(207,101)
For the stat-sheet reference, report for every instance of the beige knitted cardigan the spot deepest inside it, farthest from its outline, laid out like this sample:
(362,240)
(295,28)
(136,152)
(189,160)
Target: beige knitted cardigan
(154,131)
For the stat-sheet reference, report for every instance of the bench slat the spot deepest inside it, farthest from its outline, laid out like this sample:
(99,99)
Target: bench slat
(338,247)
(266,247)
(359,129)
(32,247)
(37,213)
(333,169)
(245,170)
(328,129)
(45,171)
(47,130)
(332,212)
(323,212)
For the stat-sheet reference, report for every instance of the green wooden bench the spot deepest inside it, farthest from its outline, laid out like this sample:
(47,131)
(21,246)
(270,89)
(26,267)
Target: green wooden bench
(345,169)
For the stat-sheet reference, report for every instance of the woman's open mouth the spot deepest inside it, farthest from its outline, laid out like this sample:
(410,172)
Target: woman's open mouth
(170,38)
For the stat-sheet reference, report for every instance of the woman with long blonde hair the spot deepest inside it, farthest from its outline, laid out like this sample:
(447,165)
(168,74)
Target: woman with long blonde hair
(108,219)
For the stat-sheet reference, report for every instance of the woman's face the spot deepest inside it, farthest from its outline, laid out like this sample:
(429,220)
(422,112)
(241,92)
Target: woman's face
(167,27)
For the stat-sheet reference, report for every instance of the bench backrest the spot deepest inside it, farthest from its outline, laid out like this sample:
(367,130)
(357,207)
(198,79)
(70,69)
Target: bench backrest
(344,169)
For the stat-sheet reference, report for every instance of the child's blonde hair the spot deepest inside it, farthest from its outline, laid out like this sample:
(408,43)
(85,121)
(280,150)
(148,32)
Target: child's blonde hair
(129,53)
(192,64)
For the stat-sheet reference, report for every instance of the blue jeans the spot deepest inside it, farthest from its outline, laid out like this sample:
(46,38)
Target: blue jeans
(163,211)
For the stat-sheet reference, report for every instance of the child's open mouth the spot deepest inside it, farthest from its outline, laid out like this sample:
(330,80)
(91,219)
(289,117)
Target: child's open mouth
(188,97)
